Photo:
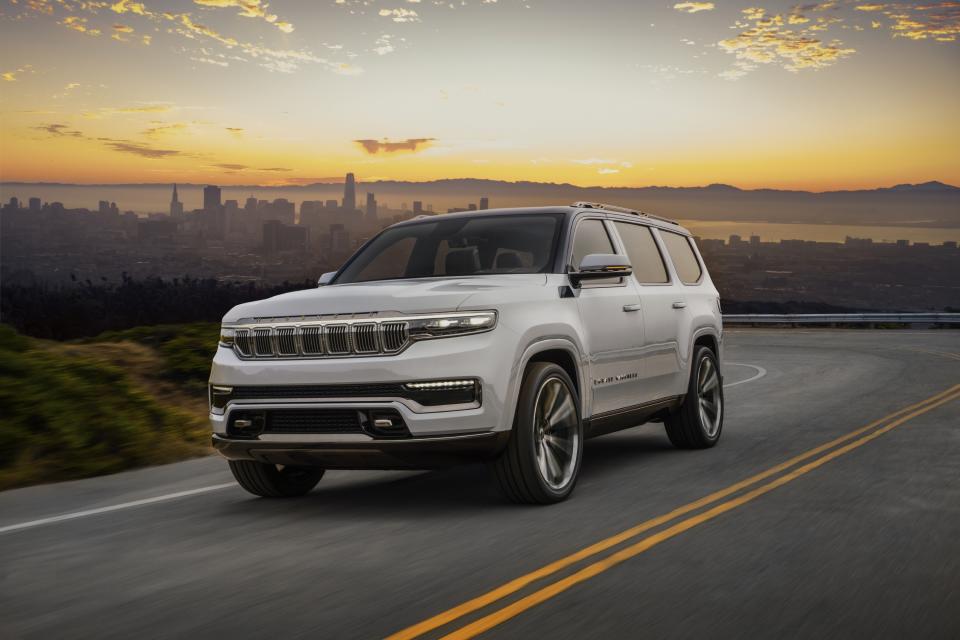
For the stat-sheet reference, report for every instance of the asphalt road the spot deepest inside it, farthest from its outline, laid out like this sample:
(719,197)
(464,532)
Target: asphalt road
(859,538)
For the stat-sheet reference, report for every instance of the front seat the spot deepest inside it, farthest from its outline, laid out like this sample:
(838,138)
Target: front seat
(462,262)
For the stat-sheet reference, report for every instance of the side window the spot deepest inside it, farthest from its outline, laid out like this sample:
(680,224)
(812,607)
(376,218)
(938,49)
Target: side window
(591,238)
(688,267)
(648,266)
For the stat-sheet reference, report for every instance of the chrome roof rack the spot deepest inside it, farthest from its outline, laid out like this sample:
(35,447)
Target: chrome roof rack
(615,209)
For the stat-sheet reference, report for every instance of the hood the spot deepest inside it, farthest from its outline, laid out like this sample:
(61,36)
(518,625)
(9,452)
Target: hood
(403,296)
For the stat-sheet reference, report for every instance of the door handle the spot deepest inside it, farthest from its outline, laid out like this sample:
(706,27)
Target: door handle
(679,305)
(632,307)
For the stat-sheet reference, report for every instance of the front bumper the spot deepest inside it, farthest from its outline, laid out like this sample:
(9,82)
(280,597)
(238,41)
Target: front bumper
(356,451)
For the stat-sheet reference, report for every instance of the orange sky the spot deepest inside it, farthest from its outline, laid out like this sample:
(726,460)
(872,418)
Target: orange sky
(837,95)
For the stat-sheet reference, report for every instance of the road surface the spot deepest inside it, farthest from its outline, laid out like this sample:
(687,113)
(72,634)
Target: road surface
(831,507)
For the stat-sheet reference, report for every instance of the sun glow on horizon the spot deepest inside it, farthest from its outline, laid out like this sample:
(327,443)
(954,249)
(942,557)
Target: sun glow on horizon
(683,94)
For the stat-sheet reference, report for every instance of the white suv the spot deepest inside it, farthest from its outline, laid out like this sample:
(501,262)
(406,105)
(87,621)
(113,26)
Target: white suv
(501,335)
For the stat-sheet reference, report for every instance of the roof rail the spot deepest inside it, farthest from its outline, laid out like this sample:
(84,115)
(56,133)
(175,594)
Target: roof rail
(616,209)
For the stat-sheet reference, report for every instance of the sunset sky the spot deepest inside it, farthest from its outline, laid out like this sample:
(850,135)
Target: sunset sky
(817,96)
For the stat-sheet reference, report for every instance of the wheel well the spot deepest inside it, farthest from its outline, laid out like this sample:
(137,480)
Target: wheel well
(562,358)
(709,341)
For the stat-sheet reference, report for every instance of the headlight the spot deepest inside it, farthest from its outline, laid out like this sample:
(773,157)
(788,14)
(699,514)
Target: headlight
(452,325)
(227,337)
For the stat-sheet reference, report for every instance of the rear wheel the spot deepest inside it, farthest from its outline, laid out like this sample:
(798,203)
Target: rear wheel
(542,459)
(699,420)
(275,481)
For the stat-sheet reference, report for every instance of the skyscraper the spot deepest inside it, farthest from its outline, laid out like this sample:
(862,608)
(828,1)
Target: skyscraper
(484,203)
(211,198)
(371,216)
(350,193)
(176,207)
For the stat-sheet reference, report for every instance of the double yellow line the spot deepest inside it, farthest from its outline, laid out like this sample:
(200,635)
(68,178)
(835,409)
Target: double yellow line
(830,450)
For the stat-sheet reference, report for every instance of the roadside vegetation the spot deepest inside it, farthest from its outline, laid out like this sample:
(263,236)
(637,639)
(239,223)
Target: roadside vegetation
(123,400)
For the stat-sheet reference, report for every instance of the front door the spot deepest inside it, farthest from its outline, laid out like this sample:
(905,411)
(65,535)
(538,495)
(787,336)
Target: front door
(612,325)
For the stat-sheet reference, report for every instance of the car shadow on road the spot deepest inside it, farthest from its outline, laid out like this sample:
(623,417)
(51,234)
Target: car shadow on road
(466,488)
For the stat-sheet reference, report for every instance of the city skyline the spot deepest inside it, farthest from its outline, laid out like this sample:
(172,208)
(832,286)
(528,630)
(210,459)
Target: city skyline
(824,96)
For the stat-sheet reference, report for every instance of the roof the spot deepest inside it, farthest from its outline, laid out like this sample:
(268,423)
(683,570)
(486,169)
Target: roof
(576,207)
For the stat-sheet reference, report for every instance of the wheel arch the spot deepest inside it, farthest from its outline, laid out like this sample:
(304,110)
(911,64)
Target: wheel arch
(560,351)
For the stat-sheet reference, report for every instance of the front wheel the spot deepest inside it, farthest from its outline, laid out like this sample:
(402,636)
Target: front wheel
(542,459)
(275,481)
(699,420)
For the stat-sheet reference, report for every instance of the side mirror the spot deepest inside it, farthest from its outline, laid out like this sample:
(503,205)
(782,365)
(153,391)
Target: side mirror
(601,265)
(326,278)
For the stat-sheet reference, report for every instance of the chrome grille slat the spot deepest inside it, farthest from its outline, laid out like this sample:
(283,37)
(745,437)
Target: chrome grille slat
(394,336)
(337,338)
(286,338)
(365,338)
(263,342)
(321,338)
(311,339)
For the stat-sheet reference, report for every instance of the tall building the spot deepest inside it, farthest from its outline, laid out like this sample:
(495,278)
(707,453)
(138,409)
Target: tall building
(211,198)
(418,206)
(350,193)
(103,206)
(35,204)
(484,203)
(176,207)
(371,214)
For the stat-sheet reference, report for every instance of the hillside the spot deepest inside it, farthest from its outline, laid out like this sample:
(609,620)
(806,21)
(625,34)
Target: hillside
(120,401)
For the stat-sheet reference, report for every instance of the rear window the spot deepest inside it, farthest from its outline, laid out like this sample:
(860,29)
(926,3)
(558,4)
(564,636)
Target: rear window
(684,259)
(645,258)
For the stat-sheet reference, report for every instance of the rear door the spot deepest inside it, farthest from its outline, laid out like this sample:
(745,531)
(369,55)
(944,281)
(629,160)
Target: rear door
(659,294)
(612,324)
(690,296)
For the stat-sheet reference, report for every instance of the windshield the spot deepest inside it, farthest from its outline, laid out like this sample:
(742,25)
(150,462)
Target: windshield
(461,246)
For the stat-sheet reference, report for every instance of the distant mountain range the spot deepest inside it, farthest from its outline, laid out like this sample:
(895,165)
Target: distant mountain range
(927,204)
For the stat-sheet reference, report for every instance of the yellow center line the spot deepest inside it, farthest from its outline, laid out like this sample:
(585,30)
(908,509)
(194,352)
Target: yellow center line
(519,583)
(498,617)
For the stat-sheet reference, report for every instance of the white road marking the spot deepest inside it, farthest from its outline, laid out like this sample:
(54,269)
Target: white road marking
(115,507)
(760,372)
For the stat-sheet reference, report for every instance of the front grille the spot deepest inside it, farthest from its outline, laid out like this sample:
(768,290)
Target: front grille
(319,391)
(314,421)
(378,423)
(316,340)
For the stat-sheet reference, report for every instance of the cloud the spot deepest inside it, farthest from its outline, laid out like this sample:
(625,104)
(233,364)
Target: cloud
(938,21)
(59,130)
(231,167)
(236,132)
(694,7)
(128,6)
(607,171)
(410,144)
(164,129)
(275,169)
(594,161)
(249,9)
(139,149)
(79,24)
(769,39)
(400,15)
(384,46)
(11,76)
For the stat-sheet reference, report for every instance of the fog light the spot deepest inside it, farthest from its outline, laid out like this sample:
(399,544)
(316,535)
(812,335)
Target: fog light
(247,424)
(445,392)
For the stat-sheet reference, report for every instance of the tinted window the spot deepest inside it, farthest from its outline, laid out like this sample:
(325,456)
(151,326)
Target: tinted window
(458,246)
(688,267)
(642,250)
(591,238)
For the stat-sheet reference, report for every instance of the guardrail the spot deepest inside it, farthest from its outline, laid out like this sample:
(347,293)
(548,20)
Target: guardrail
(841,318)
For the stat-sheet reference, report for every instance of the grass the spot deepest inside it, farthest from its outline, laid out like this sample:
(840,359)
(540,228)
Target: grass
(123,400)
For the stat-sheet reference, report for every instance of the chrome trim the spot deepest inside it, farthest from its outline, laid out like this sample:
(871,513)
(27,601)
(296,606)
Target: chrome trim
(333,336)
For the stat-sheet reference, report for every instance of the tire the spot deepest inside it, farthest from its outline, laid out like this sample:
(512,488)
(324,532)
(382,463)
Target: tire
(271,481)
(694,425)
(523,470)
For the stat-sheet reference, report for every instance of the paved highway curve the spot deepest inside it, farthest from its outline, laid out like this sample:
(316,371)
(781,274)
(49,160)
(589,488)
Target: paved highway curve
(831,507)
